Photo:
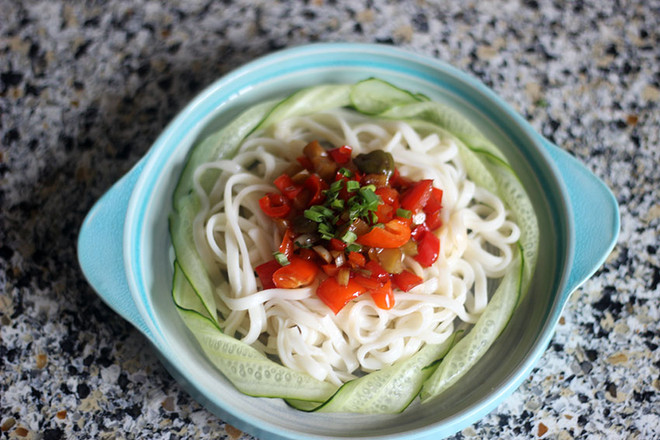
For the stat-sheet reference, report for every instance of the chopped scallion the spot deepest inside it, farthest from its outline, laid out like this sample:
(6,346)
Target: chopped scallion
(337,204)
(314,216)
(353,247)
(352,185)
(345,172)
(349,237)
(281,258)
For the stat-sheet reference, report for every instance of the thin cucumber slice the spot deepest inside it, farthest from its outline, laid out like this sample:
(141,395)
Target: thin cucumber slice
(474,345)
(189,261)
(184,294)
(250,371)
(308,101)
(222,143)
(391,389)
(374,96)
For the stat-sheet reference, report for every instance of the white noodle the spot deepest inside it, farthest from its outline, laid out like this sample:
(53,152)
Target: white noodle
(233,236)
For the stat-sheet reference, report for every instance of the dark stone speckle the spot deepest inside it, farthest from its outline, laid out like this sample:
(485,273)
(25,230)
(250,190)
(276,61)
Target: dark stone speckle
(83,390)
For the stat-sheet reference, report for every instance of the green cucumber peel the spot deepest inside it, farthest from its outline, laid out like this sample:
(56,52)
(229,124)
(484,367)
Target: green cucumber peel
(374,96)
(474,345)
(391,389)
(245,367)
(221,144)
(185,296)
(430,371)
(308,101)
(188,260)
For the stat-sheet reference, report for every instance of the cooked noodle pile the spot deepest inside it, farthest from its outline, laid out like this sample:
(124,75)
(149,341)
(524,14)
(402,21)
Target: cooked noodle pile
(233,236)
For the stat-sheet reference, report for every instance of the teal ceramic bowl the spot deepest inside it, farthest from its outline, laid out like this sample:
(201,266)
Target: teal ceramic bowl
(125,252)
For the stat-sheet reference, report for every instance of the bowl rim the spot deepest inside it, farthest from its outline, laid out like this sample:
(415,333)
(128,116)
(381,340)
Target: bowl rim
(200,105)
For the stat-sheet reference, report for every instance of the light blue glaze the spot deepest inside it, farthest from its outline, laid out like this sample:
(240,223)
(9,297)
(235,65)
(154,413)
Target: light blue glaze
(124,245)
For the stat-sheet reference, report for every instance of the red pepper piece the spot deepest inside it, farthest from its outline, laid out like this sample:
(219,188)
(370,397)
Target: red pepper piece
(399,182)
(434,203)
(383,296)
(297,273)
(342,154)
(275,205)
(416,196)
(433,208)
(387,210)
(316,185)
(428,249)
(389,195)
(286,186)
(286,247)
(385,213)
(433,220)
(308,254)
(356,259)
(265,273)
(330,269)
(395,234)
(336,296)
(406,280)
(336,244)
(419,232)
(306,163)
(377,272)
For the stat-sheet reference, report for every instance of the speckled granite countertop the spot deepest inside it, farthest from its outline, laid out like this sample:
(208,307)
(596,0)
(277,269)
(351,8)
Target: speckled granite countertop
(85,89)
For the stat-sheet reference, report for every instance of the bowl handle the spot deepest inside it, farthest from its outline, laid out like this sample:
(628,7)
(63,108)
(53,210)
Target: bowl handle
(100,248)
(595,215)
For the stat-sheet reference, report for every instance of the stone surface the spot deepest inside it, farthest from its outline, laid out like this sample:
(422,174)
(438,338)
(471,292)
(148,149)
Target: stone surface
(85,88)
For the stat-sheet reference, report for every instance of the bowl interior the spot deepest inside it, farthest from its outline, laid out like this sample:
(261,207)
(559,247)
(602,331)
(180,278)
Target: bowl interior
(148,250)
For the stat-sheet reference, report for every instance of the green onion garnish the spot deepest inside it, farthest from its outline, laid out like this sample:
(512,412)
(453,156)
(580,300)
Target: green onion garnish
(349,237)
(353,247)
(345,172)
(314,216)
(352,185)
(281,258)
(403,213)
(337,204)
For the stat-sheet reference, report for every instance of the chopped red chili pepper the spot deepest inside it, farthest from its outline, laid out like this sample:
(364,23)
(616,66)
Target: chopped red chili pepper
(389,195)
(286,186)
(342,154)
(416,196)
(305,162)
(383,296)
(385,213)
(265,273)
(308,254)
(419,231)
(395,234)
(376,271)
(367,283)
(330,269)
(336,244)
(428,249)
(275,205)
(286,247)
(336,296)
(433,209)
(297,273)
(406,280)
(316,185)
(356,259)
